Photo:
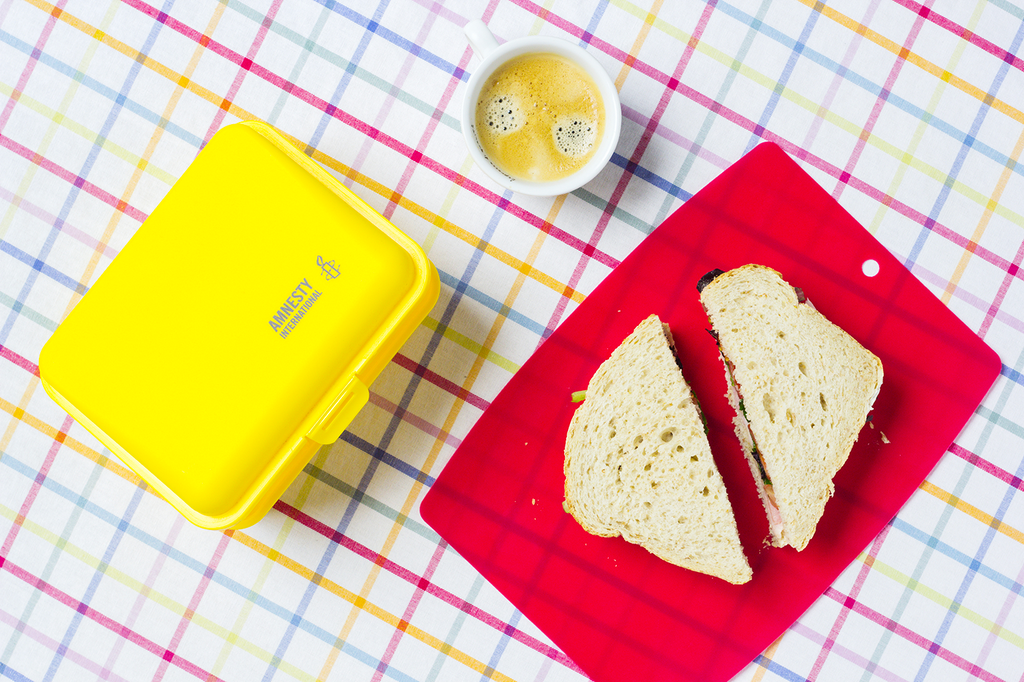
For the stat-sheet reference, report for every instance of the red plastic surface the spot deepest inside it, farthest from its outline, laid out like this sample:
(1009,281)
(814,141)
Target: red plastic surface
(619,612)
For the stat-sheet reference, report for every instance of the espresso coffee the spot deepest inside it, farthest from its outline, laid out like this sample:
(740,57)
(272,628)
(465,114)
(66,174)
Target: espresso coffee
(539,117)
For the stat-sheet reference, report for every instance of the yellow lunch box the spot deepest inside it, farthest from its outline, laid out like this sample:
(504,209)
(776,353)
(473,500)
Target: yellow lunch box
(239,329)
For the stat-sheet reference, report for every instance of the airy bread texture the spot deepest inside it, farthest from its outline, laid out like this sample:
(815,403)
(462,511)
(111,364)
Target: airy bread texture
(802,389)
(638,463)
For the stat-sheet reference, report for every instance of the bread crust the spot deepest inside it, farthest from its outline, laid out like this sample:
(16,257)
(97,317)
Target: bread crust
(638,464)
(806,387)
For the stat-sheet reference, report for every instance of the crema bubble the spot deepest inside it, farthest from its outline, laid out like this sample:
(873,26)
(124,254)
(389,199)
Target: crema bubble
(503,114)
(575,135)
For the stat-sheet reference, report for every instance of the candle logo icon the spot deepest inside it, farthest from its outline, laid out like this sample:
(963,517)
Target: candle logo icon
(327,268)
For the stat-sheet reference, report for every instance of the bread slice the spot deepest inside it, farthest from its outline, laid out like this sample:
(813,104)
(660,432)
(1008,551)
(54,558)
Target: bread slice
(801,387)
(638,463)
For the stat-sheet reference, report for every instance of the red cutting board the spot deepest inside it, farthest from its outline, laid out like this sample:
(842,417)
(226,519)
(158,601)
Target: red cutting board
(619,612)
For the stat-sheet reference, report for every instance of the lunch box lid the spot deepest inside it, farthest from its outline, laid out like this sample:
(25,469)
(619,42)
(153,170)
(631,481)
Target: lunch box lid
(239,329)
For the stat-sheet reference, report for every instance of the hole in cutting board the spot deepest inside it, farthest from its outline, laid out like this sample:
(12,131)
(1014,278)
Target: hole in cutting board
(870,267)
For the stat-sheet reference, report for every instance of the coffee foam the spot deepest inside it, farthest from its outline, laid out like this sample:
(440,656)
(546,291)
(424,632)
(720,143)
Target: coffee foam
(574,135)
(539,117)
(503,115)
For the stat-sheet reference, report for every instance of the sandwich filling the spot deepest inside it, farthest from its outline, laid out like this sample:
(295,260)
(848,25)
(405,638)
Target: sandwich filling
(754,458)
(746,435)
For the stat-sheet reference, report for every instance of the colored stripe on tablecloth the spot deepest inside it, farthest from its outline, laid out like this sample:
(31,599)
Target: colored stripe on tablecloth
(412,56)
(11,356)
(893,627)
(415,579)
(796,53)
(835,172)
(422,424)
(83,132)
(67,228)
(39,265)
(1004,178)
(829,643)
(86,611)
(29,314)
(76,180)
(363,605)
(98,574)
(850,605)
(245,591)
(44,35)
(994,310)
(994,525)
(917,60)
(991,469)
(825,62)
(961,156)
(1008,56)
(900,578)
(243,67)
(48,642)
(39,583)
(876,108)
(753,26)
(410,609)
(768,31)
(1002,617)
(1013,270)
(935,122)
(38,479)
(197,595)
(59,435)
(72,521)
(95,85)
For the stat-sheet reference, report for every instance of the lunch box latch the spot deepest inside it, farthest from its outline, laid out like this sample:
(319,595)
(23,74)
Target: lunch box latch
(340,414)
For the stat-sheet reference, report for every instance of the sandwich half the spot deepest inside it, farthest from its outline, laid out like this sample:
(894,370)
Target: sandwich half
(638,463)
(801,388)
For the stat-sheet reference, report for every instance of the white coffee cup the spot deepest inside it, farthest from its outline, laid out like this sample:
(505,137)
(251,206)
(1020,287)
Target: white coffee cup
(492,58)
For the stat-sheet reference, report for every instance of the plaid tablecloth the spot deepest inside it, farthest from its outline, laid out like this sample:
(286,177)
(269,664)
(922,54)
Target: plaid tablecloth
(911,114)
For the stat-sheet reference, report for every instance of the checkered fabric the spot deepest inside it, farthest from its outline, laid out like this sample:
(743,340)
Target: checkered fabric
(911,114)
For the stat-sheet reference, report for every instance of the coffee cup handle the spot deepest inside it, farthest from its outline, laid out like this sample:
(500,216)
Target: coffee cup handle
(481,38)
